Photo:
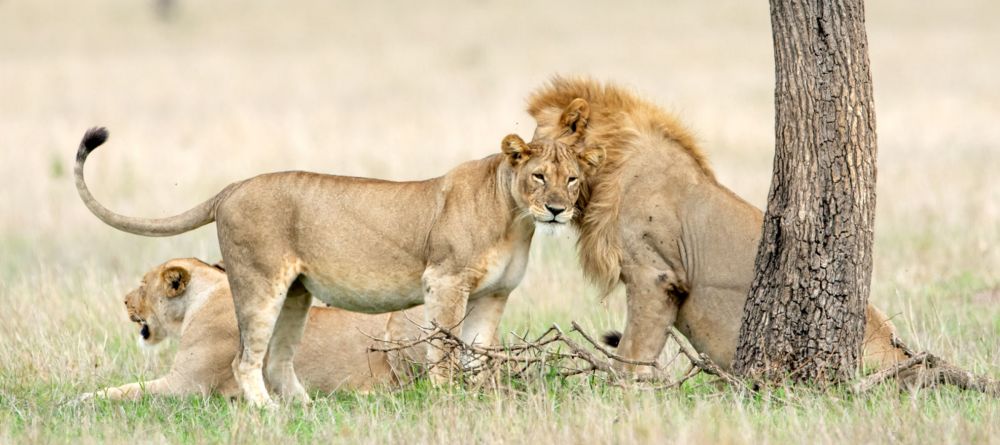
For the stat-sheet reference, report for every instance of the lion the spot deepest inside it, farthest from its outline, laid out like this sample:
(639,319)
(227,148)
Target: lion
(657,220)
(457,244)
(189,300)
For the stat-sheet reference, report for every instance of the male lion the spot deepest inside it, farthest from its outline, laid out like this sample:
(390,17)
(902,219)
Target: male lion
(189,300)
(457,243)
(657,220)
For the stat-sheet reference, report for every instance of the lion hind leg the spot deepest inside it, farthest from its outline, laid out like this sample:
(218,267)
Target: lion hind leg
(288,330)
(259,296)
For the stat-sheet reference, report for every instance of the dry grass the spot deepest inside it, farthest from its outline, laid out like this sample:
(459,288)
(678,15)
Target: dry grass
(400,90)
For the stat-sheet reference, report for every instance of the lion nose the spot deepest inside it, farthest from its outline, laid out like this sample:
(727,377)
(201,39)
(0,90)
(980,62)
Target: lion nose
(555,211)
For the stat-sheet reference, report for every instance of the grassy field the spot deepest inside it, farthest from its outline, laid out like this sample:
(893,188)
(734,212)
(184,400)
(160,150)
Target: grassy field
(229,89)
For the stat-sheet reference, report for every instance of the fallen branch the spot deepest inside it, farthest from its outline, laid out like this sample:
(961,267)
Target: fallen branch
(937,371)
(553,352)
(873,380)
(923,370)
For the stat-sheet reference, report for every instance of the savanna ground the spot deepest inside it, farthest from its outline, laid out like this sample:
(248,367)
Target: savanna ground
(402,90)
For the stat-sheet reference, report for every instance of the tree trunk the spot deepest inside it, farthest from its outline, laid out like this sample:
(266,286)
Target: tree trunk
(805,315)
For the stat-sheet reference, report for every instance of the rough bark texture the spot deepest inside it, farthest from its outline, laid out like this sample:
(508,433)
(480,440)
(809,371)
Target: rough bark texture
(804,318)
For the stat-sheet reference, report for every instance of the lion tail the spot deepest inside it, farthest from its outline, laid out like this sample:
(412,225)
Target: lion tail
(198,216)
(612,338)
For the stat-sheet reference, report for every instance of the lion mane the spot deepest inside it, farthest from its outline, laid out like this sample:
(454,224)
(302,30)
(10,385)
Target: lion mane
(618,119)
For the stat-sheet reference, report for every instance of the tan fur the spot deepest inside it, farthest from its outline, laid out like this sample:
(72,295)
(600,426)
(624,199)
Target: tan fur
(373,246)
(333,354)
(657,220)
(616,132)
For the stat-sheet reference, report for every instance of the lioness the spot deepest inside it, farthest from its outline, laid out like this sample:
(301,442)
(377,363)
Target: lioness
(457,243)
(189,300)
(657,220)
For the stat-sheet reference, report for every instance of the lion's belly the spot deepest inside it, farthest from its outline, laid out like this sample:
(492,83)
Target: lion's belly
(369,282)
(366,291)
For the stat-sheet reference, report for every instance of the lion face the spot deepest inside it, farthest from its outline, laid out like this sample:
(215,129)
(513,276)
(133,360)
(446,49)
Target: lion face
(548,176)
(158,304)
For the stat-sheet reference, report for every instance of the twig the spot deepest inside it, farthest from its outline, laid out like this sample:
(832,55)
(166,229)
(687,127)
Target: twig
(872,380)
(703,362)
(609,354)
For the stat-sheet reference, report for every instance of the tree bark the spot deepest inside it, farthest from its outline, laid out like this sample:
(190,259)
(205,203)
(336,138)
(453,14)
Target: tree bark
(805,315)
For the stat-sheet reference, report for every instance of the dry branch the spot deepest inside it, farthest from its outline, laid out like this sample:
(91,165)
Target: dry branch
(554,352)
(928,370)
(937,371)
(873,380)
(705,364)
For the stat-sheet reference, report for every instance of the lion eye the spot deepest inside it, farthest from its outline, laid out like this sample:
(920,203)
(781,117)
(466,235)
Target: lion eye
(539,177)
(572,180)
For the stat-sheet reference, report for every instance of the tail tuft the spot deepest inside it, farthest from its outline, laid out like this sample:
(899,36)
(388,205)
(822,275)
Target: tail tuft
(92,139)
(612,338)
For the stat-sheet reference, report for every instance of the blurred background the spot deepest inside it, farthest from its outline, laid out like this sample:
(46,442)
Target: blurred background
(211,92)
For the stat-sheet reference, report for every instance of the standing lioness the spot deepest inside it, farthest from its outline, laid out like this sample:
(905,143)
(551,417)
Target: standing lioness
(457,243)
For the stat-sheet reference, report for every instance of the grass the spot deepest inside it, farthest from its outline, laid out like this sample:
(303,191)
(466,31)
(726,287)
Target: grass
(573,411)
(386,89)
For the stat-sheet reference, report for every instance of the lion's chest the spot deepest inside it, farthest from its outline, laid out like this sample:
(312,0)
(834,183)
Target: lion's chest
(503,267)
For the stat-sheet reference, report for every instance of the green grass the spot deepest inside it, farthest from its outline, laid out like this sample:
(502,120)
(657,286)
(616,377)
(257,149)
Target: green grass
(50,358)
(542,410)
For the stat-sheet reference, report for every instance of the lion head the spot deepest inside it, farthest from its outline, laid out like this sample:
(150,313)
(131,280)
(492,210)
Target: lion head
(602,114)
(550,175)
(160,303)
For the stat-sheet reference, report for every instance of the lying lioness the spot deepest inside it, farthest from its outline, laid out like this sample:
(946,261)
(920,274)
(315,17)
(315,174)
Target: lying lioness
(458,244)
(189,300)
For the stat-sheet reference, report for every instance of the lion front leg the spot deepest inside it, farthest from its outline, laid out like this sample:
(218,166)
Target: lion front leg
(480,329)
(135,391)
(481,321)
(652,303)
(445,300)
(483,318)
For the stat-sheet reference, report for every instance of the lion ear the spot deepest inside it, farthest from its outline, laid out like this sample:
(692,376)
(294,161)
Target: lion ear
(593,157)
(515,149)
(175,279)
(575,117)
